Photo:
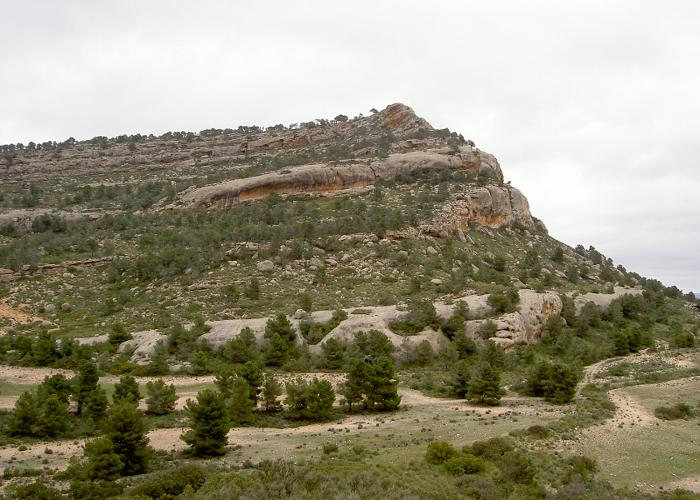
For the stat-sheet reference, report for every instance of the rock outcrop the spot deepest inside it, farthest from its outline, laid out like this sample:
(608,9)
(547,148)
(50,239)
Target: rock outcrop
(603,300)
(525,325)
(337,177)
(491,206)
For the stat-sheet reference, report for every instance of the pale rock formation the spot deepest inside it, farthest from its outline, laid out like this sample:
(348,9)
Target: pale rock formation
(144,345)
(603,300)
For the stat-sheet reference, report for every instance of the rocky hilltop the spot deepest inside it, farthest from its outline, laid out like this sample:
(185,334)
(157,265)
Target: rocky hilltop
(392,144)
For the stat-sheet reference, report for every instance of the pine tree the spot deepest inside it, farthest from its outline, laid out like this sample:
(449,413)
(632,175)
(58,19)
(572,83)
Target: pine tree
(210,424)
(252,373)
(382,387)
(239,402)
(103,463)
(310,400)
(127,431)
(462,379)
(354,388)
(333,354)
(85,383)
(242,348)
(486,385)
(464,346)
(56,385)
(96,404)
(271,391)
(161,398)
(22,420)
(53,416)
(127,389)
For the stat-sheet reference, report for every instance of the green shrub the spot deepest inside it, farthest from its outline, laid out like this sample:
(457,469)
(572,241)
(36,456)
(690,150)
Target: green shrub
(491,449)
(439,452)
(464,464)
(171,483)
(674,412)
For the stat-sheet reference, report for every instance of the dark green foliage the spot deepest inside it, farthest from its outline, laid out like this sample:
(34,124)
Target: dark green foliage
(464,346)
(96,404)
(118,334)
(372,343)
(126,430)
(462,379)
(485,385)
(22,420)
(456,322)
(315,332)
(488,329)
(235,391)
(56,385)
(53,418)
(280,338)
(34,491)
(516,466)
(558,255)
(159,361)
(492,354)
(242,348)
(372,382)
(439,452)
(422,354)
(333,354)
(252,291)
(504,302)
(556,382)
(491,449)
(160,398)
(310,400)
(170,484)
(252,373)
(127,389)
(85,382)
(100,462)
(32,415)
(271,391)
(422,314)
(464,464)
(683,340)
(209,424)
(674,412)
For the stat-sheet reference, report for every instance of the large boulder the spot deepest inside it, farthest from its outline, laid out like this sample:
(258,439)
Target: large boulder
(144,345)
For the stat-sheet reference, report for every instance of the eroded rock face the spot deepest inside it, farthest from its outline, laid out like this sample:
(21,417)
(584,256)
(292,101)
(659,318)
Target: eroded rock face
(524,326)
(144,345)
(337,177)
(490,206)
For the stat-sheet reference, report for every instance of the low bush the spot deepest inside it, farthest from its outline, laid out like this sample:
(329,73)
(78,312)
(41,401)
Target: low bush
(675,412)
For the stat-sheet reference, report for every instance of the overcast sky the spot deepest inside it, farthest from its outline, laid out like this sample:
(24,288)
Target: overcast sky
(592,107)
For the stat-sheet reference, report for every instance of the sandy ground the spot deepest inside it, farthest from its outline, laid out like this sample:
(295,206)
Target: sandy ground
(19,316)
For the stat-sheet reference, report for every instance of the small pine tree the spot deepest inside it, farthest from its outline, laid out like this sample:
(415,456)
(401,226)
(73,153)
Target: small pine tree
(310,400)
(333,354)
(161,398)
(558,255)
(252,373)
(462,379)
(118,334)
(209,424)
(103,463)
(485,386)
(85,383)
(464,346)
(271,391)
(96,404)
(127,431)
(22,420)
(127,389)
